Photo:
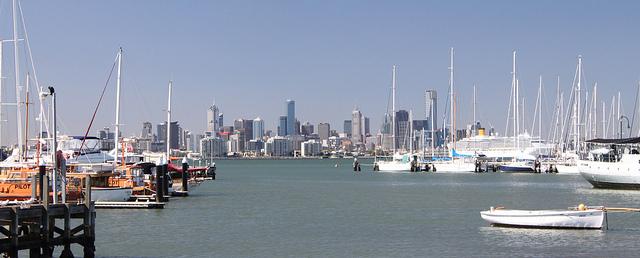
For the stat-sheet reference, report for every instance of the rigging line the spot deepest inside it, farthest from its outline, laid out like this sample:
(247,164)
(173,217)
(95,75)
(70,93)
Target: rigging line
(635,106)
(97,106)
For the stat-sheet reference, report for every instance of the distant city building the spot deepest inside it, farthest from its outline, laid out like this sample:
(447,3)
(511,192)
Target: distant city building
(162,135)
(347,127)
(297,126)
(311,148)
(258,129)
(358,126)
(282,126)
(213,147)
(213,119)
(278,146)
(324,131)
(291,117)
(245,124)
(146,131)
(255,145)
(431,113)
(403,132)
(306,129)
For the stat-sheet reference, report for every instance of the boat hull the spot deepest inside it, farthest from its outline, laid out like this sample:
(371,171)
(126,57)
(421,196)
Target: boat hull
(624,174)
(111,194)
(517,168)
(586,219)
(393,167)
(454,167)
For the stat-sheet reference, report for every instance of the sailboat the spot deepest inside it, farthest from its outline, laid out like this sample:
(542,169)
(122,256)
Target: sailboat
(455,162)
(399,162)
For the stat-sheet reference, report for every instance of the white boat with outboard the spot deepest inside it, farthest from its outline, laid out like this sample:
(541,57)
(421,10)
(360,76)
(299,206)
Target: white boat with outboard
(612,163)
(580,217)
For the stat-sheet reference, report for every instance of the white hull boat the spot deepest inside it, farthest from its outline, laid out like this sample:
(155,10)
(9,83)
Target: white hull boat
(454,166)
(111,194)
(585,218)
(567,169)
(617,168)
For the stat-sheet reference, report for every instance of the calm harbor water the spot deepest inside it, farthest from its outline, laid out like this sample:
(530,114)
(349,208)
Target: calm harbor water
(312,208)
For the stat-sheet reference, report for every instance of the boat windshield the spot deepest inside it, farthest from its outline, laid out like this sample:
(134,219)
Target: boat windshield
(91,145)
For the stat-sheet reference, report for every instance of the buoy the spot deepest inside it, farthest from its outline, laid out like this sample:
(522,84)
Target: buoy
(336,165)
(581,207)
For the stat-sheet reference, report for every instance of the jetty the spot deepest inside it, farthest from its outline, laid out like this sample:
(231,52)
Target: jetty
(41,226)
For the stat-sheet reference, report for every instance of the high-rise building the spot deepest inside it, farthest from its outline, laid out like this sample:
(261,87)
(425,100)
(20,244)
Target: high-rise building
(258,128)
(431,105)
(245,124)
(282,126)
(403,132)
(146,131)
(357,126)
(324,131)
(347,128)
(291,117)
(306,129)
(175,133)
(213,119)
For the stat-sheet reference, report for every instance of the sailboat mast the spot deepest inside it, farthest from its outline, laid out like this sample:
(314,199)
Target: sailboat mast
(17,76)
(393,107)
(119,85)
(578,99)
(475,127)
(1,44)
(514,85)
(540,108)
(169,124)
(451,103)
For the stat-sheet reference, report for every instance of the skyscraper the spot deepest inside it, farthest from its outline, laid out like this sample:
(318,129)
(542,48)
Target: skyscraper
(431,104)
(324,131)
(282,126)
(347,128)
(291,117)
(357,126)
(258,128)
(213,119)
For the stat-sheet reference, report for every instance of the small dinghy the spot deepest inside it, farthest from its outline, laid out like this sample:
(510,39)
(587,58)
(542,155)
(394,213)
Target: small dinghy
(581,217)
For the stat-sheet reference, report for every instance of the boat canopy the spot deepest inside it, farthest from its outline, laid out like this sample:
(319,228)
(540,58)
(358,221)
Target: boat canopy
(634,140)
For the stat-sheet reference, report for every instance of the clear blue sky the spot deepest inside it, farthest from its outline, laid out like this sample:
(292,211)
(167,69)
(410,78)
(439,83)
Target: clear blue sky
(251,56)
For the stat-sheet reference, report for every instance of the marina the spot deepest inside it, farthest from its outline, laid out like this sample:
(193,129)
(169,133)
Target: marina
(317,209)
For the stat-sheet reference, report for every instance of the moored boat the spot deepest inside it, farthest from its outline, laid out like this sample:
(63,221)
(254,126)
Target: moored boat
(616,165)
(580,217)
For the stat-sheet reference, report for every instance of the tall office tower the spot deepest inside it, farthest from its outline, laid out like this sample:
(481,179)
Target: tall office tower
(431,104)
(282,126)
(291,117)
(245,124)
(306,129)
(324,131)
(367,130)
(403,132)
(357,126)
(347,128)
(146,130)
(175,133)
(258,128)
(213,119)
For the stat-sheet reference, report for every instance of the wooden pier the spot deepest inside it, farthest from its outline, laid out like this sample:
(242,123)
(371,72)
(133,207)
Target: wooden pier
(34,228)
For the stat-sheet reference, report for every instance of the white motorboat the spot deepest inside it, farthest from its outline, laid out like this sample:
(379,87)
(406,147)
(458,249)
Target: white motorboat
(397,163)
(617,168)
(111,194)
(580,217)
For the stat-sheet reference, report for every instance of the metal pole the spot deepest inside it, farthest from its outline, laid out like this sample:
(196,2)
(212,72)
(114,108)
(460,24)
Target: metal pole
(185,175)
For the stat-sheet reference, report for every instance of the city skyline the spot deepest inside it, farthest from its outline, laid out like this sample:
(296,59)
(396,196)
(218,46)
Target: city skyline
(252,56)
